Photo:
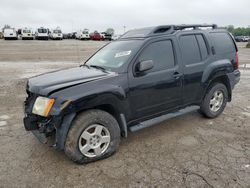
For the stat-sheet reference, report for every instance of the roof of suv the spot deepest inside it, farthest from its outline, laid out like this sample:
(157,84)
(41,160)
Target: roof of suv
(162,30)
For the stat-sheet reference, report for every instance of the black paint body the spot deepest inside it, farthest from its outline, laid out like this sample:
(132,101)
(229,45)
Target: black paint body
(138,97)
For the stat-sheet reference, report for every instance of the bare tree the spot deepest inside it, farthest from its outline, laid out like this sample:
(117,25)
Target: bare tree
(6,26)
(110,31)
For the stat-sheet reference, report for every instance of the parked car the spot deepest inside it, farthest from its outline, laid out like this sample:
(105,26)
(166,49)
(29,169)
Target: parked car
(147,76)
(56,34)
(65,36)
(115,37)
(106,36)
(83,34)
(69,35)
(72,35)
(42,34)
(27,34)
(19,33)
(10,33)
(241,38)
(95,36)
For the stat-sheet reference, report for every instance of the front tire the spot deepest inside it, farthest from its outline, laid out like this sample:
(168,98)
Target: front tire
(214,101)
(94,135)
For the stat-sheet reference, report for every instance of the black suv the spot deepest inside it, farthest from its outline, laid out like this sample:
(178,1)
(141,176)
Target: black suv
(147,76)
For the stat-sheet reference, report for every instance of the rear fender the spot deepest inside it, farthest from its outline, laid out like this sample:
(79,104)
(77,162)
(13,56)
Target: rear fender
(217,71)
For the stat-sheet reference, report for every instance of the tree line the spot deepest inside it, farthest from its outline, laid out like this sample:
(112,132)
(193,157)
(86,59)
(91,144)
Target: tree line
(239,31)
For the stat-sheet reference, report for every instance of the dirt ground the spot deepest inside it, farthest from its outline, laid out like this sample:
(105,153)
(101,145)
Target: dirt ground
(188,151)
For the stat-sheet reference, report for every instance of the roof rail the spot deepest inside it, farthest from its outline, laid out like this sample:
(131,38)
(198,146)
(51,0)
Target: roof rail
(195,26)
(162,29)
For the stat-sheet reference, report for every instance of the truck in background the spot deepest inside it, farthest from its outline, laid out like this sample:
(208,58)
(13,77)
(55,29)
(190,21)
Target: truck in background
(27,34)
(10,33)
(56,34)
(83,34)
(42,34)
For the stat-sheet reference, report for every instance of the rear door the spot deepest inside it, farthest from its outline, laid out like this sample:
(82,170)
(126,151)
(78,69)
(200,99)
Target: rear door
(195,55)
(158,89)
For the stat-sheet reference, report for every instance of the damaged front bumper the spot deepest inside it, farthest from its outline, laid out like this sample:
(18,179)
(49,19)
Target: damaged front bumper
(42,128)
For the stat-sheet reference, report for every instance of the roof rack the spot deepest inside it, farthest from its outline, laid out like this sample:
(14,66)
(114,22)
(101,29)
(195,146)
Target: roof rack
(195,26)
(163,29)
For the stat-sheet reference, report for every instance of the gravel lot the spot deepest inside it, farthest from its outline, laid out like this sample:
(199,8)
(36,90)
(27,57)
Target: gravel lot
(188,151)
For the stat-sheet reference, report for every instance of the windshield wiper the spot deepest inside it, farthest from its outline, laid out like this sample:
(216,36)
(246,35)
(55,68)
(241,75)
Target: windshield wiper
(98,67)
(84,65)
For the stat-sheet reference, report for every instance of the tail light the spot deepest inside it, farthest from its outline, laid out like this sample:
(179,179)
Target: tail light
(237,61)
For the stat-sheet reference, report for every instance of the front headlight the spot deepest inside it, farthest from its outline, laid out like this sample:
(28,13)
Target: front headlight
(42,106)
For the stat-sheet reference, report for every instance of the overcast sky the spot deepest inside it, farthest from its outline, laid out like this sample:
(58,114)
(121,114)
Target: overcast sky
(101,14)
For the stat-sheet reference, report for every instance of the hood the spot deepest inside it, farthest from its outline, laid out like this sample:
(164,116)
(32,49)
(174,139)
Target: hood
(48,83)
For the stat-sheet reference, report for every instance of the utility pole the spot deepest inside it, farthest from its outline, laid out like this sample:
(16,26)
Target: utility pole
(124,28)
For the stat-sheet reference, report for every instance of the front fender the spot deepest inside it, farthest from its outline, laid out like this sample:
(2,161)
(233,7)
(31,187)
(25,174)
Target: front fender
(79,98)
(62,131)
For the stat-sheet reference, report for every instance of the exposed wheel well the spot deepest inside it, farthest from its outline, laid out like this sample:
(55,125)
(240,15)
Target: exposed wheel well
(224,80)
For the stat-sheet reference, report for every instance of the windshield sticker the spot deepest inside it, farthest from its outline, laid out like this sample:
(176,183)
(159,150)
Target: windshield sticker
(124,53)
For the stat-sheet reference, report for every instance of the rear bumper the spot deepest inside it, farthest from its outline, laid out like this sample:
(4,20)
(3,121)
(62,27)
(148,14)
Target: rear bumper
(42,37)
(234,78)
(27,38)
(11,38)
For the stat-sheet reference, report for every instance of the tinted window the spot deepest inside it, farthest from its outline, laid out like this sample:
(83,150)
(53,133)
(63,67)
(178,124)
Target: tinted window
(26,31)
(161,53)
(190,49)
(222,43)
(57,31)
(202,45)
(42,30)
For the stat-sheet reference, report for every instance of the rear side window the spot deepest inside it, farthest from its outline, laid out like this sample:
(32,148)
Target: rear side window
(223,43)
(190,49)
(202,45)
(161,53)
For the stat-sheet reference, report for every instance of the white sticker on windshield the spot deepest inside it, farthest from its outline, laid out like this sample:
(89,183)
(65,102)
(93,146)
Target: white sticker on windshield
(121,54)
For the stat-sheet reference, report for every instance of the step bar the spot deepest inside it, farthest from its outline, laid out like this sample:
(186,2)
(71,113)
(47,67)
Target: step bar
(162,118)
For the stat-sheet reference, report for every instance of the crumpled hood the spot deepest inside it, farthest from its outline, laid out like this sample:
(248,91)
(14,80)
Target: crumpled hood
(48,83)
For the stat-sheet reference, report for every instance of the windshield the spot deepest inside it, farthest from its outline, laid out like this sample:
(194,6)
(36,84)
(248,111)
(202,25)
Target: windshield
(115,54)
(57,31)
(85,32)
(26,31)
(42,30)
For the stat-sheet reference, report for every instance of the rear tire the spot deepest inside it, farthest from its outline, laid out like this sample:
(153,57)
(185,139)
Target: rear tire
(214,101)
(84,143)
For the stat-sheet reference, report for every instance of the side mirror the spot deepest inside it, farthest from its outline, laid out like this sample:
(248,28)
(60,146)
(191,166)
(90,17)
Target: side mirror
(145,65)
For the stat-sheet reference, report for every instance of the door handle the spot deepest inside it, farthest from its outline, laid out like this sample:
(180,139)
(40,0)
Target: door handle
(177,75)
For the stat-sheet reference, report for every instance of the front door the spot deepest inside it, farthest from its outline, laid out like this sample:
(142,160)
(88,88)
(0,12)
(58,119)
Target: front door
(160,88)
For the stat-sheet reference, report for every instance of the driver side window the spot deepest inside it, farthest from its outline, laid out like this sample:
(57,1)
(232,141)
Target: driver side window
(161,53)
